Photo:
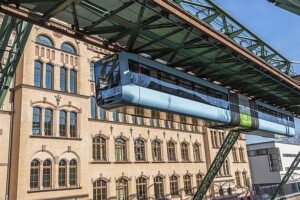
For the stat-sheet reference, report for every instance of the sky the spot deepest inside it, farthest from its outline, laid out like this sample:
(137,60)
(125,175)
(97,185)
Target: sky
(277,27)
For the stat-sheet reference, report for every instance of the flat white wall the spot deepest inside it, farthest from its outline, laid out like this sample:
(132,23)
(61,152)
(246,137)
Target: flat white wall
(259,165)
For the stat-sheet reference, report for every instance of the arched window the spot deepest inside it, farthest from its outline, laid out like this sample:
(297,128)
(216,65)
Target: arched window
(185,152)
(141,188)
(36,121)
(187,184)
(44,40)
(245,180)
(73,173)
(73,124)
(38,74)
(120,150)
(92,78)
(156,150)
(139,149)
(171,151)
(174,187)
(197,152)
(63,123)
(99,190)
(122,189)
(93,108)
(199,178)
(241,152)
(34,174)
(63,79)
(49,76)
(66,47)
(234,155)
(238,179)
(73,81)
(62,173)
(47,174)
(99,148)
(159,187)
(48,122)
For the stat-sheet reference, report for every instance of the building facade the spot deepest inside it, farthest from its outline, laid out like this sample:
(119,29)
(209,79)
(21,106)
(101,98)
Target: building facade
(65,147)
(269,162)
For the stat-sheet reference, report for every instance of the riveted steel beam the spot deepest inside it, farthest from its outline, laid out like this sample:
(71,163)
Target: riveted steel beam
(216,164)
(208,12)
(22,30)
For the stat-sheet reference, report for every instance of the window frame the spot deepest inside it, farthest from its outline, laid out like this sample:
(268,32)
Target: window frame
(49,66)
(73,125)
(139,150)
(99,142)
(65,118)
(184,147)
(38,74)
(35,184)
(121,150)
(62,174)
(156,151)
(73,173)
(122,184)
(34,122)
(49,169)
(158,184)
(48,128)
(100,185)
(174,186)
(141,188)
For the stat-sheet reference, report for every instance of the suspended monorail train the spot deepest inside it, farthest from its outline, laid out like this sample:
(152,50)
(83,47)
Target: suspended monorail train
(126,79)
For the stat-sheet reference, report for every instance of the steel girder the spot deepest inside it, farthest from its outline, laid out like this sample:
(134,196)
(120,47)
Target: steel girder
(286,177)
(218,19)
(17,30)
(217,163)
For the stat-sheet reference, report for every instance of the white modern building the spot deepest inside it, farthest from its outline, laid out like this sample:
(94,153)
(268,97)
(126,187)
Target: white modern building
(269,162)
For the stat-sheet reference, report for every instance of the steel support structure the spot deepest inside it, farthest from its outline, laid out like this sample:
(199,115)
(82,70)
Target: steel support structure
(217,163)
(18,31)
(286,177)
(213,15)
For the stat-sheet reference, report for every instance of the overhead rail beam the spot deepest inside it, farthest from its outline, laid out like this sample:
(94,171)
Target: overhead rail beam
(11,60)
(216,164)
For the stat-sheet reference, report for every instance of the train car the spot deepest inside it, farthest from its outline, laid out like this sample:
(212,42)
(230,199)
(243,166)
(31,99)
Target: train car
(126,79)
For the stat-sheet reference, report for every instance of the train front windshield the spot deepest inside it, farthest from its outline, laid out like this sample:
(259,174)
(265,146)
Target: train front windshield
(107,76)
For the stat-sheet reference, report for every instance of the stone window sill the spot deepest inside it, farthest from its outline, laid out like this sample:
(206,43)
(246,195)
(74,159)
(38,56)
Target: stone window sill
(52,137)
(53,189)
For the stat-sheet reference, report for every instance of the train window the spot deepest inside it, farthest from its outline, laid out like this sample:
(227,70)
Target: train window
(168,83)
(185,84)
(133,66)
(279,115)
(200,89)
(291,119)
